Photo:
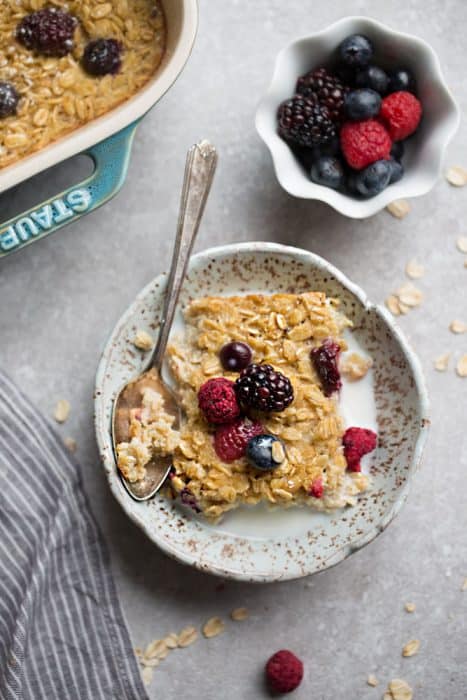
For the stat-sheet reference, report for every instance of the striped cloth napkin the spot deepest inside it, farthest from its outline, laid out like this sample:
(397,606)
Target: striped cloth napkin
(62,631)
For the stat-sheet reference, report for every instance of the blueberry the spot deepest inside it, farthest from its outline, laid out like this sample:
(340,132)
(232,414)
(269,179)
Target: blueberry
(356,50)
(265,452)
(362,104)
(9,99)
(397,171)
(402,79)
(397,150)
(374,178)
(327,171)
(235,356)
(372,77)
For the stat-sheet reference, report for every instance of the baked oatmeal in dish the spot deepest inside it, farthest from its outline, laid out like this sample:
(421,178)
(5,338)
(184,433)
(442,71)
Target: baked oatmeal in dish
(64,63)
(258,379)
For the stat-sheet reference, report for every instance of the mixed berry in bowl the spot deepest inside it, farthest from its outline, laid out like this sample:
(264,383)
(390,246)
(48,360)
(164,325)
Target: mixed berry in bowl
(348,121)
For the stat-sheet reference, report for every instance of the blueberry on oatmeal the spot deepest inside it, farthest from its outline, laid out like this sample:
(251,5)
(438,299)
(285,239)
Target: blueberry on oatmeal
(265,452)
(9,99)
(102,56)
(49,32)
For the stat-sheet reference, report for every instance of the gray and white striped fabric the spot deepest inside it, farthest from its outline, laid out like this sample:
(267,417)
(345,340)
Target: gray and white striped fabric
(62,631)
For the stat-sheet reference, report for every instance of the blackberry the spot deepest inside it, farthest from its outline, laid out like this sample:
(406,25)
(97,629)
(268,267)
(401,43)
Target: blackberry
(102,56)
(9,99)
(304,122)
(328,88)
(262,387)
(48,31)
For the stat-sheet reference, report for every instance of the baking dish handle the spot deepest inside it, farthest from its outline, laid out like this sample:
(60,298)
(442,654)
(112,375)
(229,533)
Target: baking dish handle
(111,158)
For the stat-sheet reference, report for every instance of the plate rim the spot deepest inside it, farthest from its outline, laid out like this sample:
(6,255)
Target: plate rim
(187,557)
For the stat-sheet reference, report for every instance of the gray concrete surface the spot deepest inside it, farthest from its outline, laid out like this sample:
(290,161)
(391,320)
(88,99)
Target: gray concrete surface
(61,297)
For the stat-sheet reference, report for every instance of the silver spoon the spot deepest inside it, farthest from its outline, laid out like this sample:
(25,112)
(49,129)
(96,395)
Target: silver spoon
(199,172)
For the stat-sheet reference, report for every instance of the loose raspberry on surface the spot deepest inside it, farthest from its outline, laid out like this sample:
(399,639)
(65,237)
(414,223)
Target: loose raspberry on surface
(217,400)
(284,671)
(316,488)
(231,440)
(357,443)
(48,31)
(364,142)
(264,388)
(401,113)
(325,358)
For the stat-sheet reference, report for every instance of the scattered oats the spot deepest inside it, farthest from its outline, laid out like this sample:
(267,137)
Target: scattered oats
(411,648)
(187,636)
(464,585)
(457,176)
(151,663)
(409,295)
(387,696)
(414,270)
(462,366)
(442,362)
(171,641)
(70,444)
(399,208)
(462,244)
(138,652)
(355,367)
(403,308)
(239,614)
(372,680)
(143,341)
(400,690)
(213,627)
(277,451)
(465,262)
(458,327)
(410,607)
(157,649)
(62,411)
(147,675)
(392,302)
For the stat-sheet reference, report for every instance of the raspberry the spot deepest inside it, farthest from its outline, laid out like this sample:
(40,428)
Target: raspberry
(231,440)
(365,142)
(329,91)
(284,671)
(324,359)
(357,442)
(263,388)
(218,401)
(304,122)
(48,31)
(401,113)
(102,56)
(316,488)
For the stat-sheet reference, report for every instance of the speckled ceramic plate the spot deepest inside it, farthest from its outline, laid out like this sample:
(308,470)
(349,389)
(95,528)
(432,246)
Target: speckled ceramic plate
(257,544)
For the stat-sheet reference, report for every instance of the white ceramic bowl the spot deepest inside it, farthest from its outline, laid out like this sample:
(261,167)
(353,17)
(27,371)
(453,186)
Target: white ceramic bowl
(257,544)
(423,159)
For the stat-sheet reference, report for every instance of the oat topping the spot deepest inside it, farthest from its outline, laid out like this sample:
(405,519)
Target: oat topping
(411,648)
(399,208)
(56,94)
(355,367)
(62,411)
(458,327)
(462,366)
(441,363)
(414,270)
(143,341)
(457,176)
(239,614)
(372,680)
(213,627)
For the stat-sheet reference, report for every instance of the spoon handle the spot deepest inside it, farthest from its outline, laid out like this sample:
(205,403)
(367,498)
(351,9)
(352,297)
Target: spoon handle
(199,173)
